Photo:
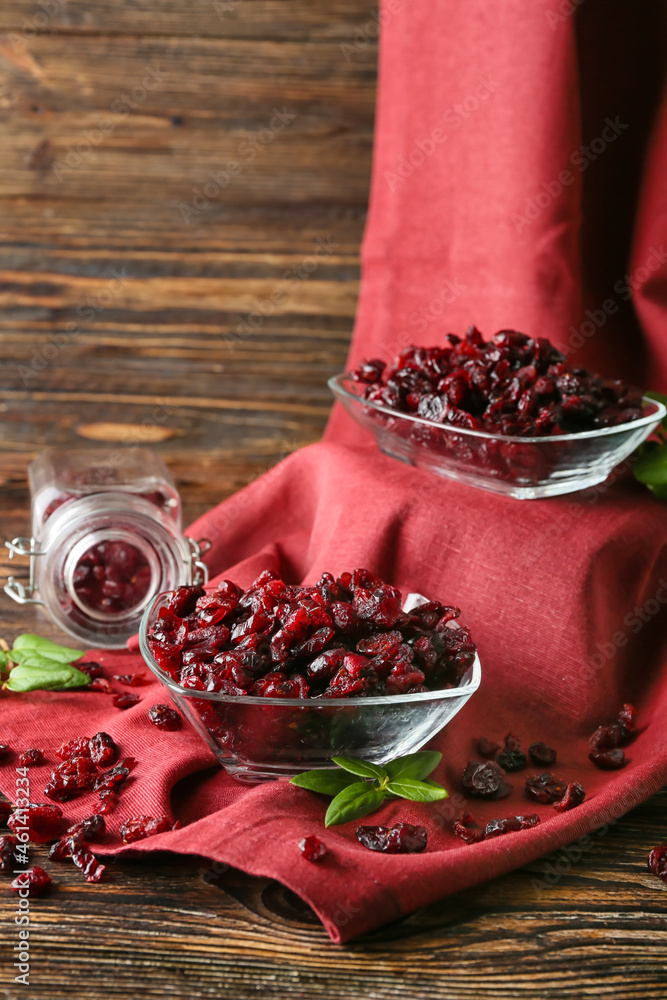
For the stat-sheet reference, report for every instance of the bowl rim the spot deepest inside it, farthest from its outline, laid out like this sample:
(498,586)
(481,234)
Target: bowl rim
(336,386)
(464,690)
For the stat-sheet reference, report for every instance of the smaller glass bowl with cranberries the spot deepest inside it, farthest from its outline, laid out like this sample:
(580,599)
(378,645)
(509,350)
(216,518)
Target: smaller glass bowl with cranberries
(509,415)
(278,679)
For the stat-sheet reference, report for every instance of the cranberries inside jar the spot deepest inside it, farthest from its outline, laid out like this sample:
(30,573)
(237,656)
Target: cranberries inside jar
(111,577)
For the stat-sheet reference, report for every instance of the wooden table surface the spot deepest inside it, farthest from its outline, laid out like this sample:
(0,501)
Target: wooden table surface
(136,307)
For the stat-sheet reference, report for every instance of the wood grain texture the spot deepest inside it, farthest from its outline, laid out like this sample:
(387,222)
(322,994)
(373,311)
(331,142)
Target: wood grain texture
(166,356)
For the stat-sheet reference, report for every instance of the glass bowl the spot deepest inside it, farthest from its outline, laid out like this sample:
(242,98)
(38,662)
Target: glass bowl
(258,739)
(523,467)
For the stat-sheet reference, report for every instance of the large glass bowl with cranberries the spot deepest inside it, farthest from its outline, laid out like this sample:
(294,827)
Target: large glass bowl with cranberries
(509,414)
(278,679)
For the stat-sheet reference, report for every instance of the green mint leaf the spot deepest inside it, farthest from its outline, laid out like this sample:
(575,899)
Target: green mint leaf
(414,765)
(363,767)
(29,643)
(357,800)
(3,660)
(47,676)
(417,791)
(651,467)
(326,782)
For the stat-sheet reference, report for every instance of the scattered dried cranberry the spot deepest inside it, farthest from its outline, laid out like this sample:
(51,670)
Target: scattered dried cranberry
(5,809)
(111,779)
(312,848)
(34,879)
(100,684)
(487,748)
(85,860)
(91,828)
(92,669)
(485,780)
(545,788)
(129,763)
(7,855)
(627,716)
(44,822)
(108,801)
(140,827)
(102,749)
(164,717)
(574,796)
(511,760)
(510,824)
(5,751)
(31,757)
(541,754)
(468,829)
(71,778)
(133,680)
(657,862)
(402,838)
(74,748)
(512,384)
(125,700)
(608,760)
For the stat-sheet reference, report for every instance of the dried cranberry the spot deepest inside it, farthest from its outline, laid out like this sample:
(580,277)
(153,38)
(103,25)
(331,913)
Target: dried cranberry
(164,717)
(86,860)
(102,749)
(312,848)
(108,801)
(657,862)
(512,742)
(31,757)
(183,601)
(511,760)
(140,827)
(71,778)
(541,754)
(100,684)
(92,669)
(111,577)
(574,796)
(34,879)
(125,700)
(132,680)
(7,853)
(608,737)
(44,822)
(5,751)
(485,780)
(487,748)
(510,824)
(74,748)
(402,838)
(468,829)
(91,828)
(608,760)
(112,779)
(5,809)
(627,716)
(545,788)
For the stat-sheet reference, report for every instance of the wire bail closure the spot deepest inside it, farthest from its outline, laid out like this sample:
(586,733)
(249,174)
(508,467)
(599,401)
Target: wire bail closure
(20,592)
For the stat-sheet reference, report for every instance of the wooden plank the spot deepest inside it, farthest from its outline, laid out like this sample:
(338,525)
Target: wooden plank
(289,19)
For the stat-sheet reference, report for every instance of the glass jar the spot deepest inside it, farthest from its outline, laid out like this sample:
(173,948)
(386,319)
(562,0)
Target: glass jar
(106,538)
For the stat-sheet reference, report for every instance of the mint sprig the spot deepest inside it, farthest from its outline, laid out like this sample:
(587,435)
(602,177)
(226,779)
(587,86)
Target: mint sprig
(360,787)
(37,664)
(650,465)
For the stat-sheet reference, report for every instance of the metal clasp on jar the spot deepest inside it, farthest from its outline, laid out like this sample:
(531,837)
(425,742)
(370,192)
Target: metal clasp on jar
(22,592)
(198,569)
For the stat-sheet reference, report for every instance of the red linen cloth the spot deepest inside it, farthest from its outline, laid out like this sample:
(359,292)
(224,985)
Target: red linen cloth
(565,596)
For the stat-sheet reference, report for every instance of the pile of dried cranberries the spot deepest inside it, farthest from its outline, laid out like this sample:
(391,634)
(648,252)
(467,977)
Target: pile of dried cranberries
(512,385)
(341,638)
